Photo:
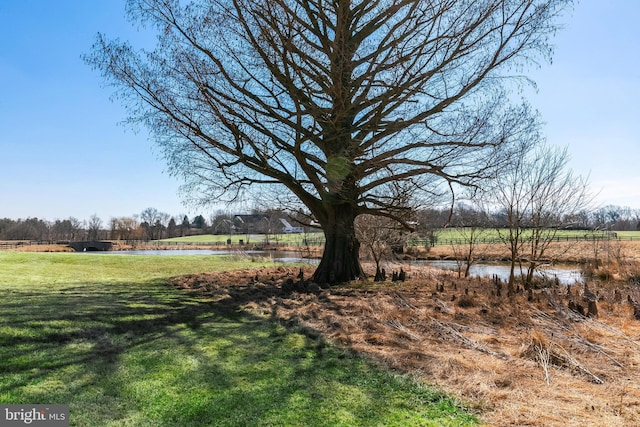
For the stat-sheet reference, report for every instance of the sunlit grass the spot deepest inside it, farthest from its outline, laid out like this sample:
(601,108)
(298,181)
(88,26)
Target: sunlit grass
(285,238)
(443,236)
(69,268)
(107,335)
(457,235)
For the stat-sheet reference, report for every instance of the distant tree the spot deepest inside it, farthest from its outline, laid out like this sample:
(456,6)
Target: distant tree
(68,229)
(472,226)
(199,222)
(636,218)
(93,228)
(114,232)
(618,218)
(185,226)
(627,221)
(379,235)
(580,220)
(430,222)
(172,228)
(332,102)
(558,195)
(125,228)
(540,197)
(158,230)
(273,226)
(154,223)
(62,230)
(5,225)
(28,229)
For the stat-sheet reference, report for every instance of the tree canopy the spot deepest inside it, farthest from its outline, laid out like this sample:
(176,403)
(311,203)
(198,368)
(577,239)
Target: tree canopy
(350,106)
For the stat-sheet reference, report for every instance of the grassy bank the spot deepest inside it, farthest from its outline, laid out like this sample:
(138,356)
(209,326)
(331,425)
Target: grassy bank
(105,334)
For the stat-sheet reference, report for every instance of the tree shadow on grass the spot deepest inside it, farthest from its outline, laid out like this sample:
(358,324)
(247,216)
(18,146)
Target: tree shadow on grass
(152,355)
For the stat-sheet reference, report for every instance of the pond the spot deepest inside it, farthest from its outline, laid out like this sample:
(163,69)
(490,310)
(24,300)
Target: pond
(565,274)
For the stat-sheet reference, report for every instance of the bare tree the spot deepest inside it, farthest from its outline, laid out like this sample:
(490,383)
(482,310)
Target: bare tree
(67,229)
(273,226)
(25,229)
(431,221)
(125,228)
(558,195)
(154,222)
(334,102)
(471,227)
(93,228)
(379,235)
(540,197)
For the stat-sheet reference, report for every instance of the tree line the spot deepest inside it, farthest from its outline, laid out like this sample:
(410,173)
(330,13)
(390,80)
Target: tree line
(152,224)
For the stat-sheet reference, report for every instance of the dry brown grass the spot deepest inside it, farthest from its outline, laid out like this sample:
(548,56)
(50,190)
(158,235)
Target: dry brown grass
(517,362)
(576,251)
(42,248)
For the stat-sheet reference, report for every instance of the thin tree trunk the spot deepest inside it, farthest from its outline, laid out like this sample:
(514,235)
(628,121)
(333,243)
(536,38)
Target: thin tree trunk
(511,288)
(530,272)
(468,267)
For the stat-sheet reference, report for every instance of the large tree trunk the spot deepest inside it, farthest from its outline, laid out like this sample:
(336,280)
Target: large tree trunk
(340,260)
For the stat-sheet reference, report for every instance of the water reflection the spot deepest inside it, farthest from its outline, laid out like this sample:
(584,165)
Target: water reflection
(566,275)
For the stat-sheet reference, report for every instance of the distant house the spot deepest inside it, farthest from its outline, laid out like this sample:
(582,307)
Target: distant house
(263,224)
(224,226)
(251,224)
(288,228)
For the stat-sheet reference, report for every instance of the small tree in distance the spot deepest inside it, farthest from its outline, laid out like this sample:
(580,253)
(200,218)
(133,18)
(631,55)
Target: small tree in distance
(199,222)
(334,103)
(93,227)
(471,228)
(539,196)
(379,236)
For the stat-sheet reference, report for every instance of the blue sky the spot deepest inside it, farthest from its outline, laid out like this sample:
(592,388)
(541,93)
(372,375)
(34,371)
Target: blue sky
(63,152)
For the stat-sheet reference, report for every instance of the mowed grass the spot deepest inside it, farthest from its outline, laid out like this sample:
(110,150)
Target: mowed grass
(289,238)
(107,335)
(457,235)
(445,236)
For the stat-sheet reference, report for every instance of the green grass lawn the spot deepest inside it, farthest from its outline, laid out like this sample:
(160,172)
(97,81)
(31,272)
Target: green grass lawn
(635,235)
(107,335)
(292,238)
(455,235)
(444,236)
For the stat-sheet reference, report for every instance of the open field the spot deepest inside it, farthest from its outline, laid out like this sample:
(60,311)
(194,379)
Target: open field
(108,335)
(628,234)
(445,236)
(448,236)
